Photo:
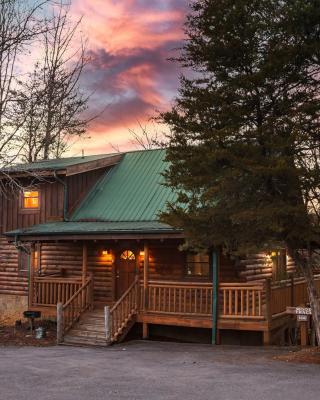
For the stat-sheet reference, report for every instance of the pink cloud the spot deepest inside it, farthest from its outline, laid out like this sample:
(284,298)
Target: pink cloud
(130,76)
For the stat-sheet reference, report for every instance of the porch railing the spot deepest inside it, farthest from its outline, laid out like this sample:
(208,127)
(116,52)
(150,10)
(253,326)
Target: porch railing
(47,291)
(291,292)
(179,298)
(70,312)
(122,312)
(242,300)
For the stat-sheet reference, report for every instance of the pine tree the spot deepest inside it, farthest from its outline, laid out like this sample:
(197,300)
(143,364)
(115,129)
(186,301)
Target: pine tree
(244,142)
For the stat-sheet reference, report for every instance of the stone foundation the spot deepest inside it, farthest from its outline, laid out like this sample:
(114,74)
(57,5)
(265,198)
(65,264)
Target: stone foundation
(11,308)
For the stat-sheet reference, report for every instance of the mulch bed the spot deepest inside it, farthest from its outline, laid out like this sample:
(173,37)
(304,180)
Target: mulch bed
(22,336)
(310,355)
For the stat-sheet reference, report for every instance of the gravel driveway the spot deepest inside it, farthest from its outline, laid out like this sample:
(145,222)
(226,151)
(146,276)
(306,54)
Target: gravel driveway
(154,370)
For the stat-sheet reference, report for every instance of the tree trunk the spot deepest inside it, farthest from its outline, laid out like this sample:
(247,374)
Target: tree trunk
(306,269)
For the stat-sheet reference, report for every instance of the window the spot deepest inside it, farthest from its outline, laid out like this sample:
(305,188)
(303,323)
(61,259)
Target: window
(31,199)
(198,265)
(279,264)
(127,255)
(24,260)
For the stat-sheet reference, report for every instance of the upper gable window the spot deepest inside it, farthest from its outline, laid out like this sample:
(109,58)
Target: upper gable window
(30,199)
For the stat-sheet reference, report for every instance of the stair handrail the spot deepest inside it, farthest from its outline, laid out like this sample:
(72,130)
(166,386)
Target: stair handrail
(69,313)
(122,311)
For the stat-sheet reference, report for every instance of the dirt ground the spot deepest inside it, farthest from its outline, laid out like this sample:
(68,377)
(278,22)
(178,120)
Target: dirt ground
(309,355)
(21,335)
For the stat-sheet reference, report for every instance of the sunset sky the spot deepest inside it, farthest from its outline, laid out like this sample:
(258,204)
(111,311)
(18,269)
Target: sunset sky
(130,76)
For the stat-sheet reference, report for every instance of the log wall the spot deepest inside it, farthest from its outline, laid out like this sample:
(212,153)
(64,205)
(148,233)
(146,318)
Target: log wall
(51,208)
(66,257)
(165,263)
(259,266)
(11,282)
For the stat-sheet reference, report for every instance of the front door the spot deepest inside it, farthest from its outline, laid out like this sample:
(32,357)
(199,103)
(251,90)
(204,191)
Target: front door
(125,271)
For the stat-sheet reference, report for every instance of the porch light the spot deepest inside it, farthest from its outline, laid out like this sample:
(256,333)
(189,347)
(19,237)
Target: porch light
(105,252)
(141,253)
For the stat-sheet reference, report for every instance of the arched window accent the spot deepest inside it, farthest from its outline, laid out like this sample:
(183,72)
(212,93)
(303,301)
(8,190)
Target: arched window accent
(127,255)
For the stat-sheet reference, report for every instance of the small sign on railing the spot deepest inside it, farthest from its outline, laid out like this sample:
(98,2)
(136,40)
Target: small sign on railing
(299,311)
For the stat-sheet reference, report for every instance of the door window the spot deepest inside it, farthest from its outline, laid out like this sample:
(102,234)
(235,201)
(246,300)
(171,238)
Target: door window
(127,255)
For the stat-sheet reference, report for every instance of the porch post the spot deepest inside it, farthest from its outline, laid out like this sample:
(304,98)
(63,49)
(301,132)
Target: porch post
(268,313)
(31,274)
(59,322)
(145,287)
(215,288)
(84,262)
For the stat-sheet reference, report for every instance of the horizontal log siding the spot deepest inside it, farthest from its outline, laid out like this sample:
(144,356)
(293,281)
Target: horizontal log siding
(51,205)
(101,269)
(259,266)
(11,282)
(165,263)
(68,255)
(51,208)
(228,270)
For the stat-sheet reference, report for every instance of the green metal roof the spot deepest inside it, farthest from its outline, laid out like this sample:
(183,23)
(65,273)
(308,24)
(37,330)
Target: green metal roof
(127,199)
(85,228)
(56,164)
(130,191)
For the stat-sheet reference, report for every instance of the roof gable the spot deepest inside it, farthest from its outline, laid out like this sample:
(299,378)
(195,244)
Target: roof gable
(131,191)
(67,166)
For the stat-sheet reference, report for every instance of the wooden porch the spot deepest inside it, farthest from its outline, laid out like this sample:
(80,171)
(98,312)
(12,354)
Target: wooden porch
(255,306)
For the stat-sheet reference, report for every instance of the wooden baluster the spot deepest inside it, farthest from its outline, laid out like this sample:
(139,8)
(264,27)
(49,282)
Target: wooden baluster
(206,301)
(253,302)
(230,302)
(185,300)
(241,303)
(236,302)
(195,299)
(163,299)
(247,302)
(224,302)
(259,302)
(47,293)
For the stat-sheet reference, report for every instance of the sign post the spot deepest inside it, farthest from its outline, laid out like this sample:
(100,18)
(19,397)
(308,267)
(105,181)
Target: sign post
(303,314)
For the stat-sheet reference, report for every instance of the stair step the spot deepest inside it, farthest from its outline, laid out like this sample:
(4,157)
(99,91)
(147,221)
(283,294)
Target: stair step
(90,328)
(84,322)
(78,341)
(91,321)
(88,334)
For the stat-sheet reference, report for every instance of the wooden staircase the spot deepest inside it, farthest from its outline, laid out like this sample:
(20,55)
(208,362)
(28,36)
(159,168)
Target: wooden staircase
(88,331)
(99,327)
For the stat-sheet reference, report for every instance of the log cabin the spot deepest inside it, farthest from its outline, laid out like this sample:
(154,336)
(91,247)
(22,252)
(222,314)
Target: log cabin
(81,241)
